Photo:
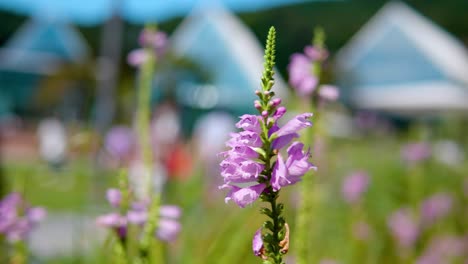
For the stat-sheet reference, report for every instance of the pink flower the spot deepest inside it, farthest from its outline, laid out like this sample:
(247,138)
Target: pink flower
(436,207)
(244,196)
(416,152)
(354,186)
(257,243)
(291,171)
(403,227)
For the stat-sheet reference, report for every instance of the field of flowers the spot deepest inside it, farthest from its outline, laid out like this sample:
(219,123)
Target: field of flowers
(284,190)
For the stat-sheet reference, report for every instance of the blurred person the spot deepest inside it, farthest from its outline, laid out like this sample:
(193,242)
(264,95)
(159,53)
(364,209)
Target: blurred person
(53,142)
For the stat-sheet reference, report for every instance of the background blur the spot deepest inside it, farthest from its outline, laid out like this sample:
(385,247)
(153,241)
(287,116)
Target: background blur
(402,71)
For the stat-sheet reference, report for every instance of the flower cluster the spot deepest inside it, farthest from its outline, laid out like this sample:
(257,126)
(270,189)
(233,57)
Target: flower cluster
(138,214)
(242,164)
(404,227)
(305,70)
(17,218)
(416,152)
(255,167)
(155,40)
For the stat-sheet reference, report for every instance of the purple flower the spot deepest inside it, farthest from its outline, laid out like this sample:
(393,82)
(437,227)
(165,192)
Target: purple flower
(436,207)
(168,229)
(354,186)
(444,249)
(170,211)
(111,220)
(294,125)
(403,227)
(137,217)
(249,123)
(137,57)
(36,214)
(242,163)
(244,196)
(245,138)
(416,152)
(168,226)
(291,171)
(257,243)
(120,142)
(17,218)
(316,54)
(154,39)
(301,75)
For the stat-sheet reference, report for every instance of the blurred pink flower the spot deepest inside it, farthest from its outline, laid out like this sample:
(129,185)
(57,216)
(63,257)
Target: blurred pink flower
(17,218)
(120,142)
(354,186)
(403,227)
(301,75)
(444,249)
(416,152)
(137,57)
(436,207)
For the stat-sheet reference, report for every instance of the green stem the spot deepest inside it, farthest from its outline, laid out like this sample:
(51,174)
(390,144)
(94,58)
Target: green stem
(274,249)
(20,255)
(143,125)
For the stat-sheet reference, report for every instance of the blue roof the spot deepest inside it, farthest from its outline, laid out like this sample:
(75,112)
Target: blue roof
(231,55)
(39,47)
(47,37)
(394,59)
(402,61)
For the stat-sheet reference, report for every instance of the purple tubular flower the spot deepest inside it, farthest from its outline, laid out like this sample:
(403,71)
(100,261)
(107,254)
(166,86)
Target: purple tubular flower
(291,171)
(403,227)
(247,138)
(114,197)
(298,160)
(120,142)
(416,152)
(354,186)
(294,125)
(436,207)
(257,243)
(249,123)
(279,113)
(244,196)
